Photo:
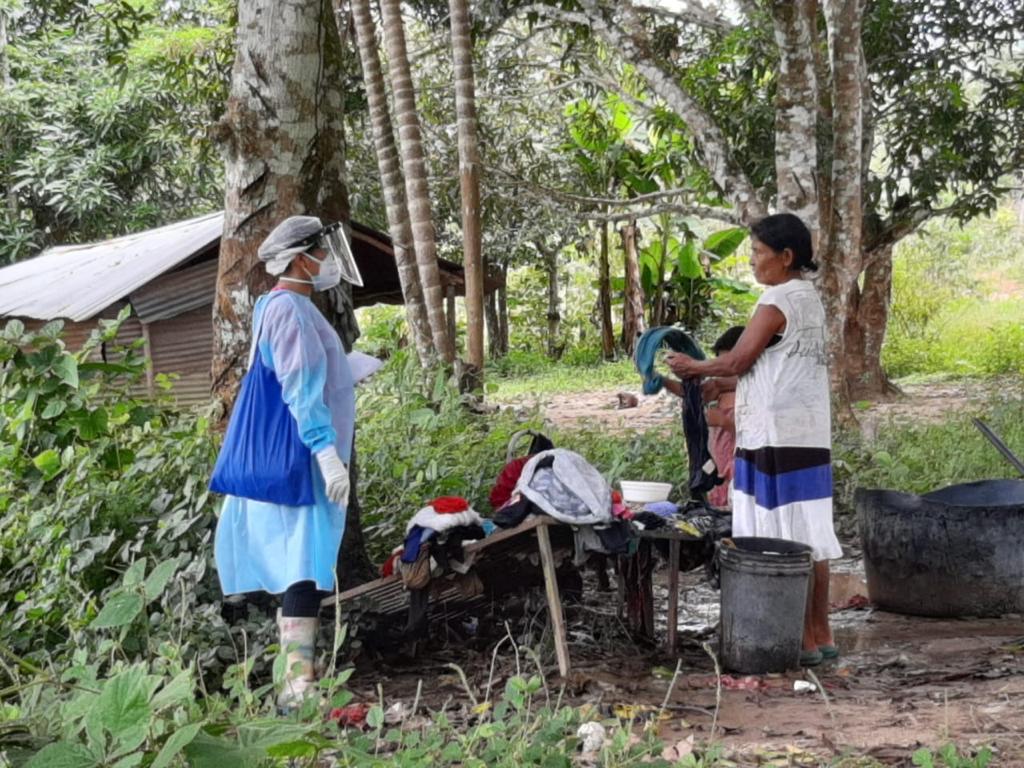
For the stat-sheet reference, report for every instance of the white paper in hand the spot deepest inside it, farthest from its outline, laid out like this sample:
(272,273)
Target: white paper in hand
(362,365)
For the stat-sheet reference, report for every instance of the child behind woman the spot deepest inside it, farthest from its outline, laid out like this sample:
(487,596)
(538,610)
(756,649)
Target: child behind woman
(722,426)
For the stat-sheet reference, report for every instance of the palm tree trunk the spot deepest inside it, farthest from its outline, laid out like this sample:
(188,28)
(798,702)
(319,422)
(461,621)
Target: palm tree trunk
(417,193)
(634,296)
(392,182)
(469,182)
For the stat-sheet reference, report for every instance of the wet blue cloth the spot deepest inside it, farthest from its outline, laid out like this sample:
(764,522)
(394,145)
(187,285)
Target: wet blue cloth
(703,475)
(266,546)
(647,349)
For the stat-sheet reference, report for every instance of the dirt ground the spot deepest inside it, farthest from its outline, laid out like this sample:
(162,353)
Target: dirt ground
(900,683)
(929,402)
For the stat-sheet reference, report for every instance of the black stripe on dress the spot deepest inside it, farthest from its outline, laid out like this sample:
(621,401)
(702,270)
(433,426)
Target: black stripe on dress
(772,460)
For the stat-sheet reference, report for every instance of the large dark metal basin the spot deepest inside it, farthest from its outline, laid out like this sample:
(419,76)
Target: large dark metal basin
(958,551)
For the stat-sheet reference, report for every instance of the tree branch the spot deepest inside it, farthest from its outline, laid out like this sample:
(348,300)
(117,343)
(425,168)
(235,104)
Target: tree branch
(711,143)
(699,211)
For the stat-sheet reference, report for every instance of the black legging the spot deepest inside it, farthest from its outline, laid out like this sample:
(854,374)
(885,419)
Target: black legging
(302,599)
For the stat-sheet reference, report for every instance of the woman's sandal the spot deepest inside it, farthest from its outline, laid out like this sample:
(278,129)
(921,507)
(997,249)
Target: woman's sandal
(810,658)
(828,651)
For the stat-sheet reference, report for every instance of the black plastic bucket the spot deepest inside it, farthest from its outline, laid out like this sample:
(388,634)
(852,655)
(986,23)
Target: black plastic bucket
(763,601)
(958,551)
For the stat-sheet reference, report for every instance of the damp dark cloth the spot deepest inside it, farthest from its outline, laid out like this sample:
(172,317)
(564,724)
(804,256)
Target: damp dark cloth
(649,521)
(448,550)
(703,472)
(513,514)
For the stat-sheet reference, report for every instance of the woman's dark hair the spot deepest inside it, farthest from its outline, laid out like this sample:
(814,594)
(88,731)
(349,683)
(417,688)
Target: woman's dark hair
(784,230)
(727,340)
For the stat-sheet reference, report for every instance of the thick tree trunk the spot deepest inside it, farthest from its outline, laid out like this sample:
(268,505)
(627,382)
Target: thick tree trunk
(469,183)
(604,297)
(417,192)
(842,224)
(283,144)
(633,316)
(796,109)
(866,328)
(392,182)
(554,313)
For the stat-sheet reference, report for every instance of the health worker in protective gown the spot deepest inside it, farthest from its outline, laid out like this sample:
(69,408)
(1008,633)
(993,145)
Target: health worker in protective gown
(281,533)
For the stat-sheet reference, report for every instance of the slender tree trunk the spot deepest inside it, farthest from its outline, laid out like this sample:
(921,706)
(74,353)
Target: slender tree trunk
(658,311)
(283,145)
(842,223)
(8,145)
(417,193)
(605,297)
(469,183)
(493,326)
(634,297)
(554,314)
(503,312)
(392,182)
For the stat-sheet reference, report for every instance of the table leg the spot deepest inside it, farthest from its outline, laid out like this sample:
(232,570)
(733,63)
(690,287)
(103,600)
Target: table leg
(547,561)
(673,595)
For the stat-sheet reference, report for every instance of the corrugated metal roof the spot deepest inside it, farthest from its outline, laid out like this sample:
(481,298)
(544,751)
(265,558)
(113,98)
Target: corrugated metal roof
(177,292)
(78,281)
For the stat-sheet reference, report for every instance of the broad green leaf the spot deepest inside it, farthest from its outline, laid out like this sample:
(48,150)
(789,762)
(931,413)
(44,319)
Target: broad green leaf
(14,330)
(66,369)
(129,761)
(48,462)
(135,573)
(688,262)
(292,749)
(156,582)
(53,409)
(206,751)
(123,708)
(726,242)
(63,755)
(375,717)
(178,691)
(121,609)
(263,734)
(177,742)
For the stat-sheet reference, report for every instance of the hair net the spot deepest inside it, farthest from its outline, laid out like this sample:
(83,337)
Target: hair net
(278,250)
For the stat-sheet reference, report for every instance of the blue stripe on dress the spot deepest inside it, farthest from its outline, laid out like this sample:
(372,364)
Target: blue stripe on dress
(772,491)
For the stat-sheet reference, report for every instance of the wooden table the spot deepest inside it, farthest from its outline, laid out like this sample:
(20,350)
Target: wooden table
(674,538)
(389,595)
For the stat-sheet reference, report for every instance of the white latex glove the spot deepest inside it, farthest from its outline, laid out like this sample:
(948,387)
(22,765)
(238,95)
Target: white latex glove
(335,475)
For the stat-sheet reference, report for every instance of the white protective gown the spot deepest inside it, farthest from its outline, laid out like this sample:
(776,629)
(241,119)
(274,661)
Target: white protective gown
(262,546)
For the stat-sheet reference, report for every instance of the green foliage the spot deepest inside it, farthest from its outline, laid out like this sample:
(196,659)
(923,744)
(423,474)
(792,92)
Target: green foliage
(949,757)
(954,284)
(105,122)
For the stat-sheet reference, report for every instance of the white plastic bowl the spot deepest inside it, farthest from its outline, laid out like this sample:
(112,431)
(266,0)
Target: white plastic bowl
(637,491)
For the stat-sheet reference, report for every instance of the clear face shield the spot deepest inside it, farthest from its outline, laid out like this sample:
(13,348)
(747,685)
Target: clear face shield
(335,244)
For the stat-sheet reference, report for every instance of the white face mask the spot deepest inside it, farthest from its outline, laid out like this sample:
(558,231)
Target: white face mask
(328,277)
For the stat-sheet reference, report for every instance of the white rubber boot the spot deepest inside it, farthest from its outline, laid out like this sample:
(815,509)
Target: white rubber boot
(298,640)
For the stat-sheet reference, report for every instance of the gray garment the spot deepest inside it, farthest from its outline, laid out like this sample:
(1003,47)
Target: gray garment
(571,490)
(343,316)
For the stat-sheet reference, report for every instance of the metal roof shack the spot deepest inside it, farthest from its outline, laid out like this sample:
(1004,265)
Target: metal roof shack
(168,276)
